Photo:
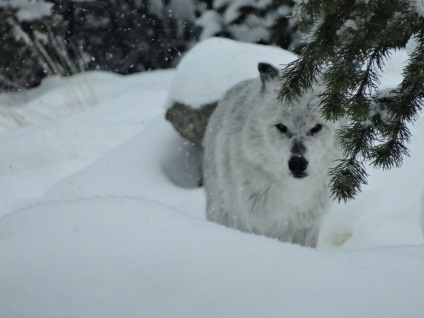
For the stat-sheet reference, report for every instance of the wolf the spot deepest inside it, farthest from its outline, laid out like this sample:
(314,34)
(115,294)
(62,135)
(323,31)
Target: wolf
(266,164)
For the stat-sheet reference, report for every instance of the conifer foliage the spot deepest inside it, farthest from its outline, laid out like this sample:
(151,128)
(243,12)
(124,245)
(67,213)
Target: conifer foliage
(254,21)
(26,27)
(344,46)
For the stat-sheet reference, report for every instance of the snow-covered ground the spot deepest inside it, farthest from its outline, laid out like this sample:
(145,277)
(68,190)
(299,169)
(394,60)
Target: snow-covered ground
(91,224)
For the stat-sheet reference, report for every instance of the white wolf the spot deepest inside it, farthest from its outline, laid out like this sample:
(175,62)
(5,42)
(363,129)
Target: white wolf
(266,164)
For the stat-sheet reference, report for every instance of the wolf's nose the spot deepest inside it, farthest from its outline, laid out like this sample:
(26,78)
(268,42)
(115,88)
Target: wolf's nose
(297,165)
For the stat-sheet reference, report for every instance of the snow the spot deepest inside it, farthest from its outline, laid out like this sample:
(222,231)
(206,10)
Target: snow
(412,44)
(254,29)
(109,257)
(210,22)
(232,12)
(351,24)
(196,86)
(234,8)
(29,10)
(38,158)
(422,212)
(92,223)
(218,4)
(418,5)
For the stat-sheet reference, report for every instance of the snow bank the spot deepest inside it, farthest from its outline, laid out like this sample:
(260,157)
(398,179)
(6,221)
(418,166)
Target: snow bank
(123,257)
(422,213)
(210,68)
(36,157)
(137,168)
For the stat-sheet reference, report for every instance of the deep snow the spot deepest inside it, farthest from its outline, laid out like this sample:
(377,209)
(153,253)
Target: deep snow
(91,224)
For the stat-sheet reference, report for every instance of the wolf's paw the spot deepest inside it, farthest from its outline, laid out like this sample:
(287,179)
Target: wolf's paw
(337,229)
(339,238)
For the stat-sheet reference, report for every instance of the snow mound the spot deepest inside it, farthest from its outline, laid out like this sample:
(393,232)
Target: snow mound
(112,257)
(64,141)
(137,168)
(422,213)
(214,65)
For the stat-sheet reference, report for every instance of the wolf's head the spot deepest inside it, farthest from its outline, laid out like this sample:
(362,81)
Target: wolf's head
(293,140)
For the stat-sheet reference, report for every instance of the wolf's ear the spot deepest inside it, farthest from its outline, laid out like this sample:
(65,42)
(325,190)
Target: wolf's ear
(267,72)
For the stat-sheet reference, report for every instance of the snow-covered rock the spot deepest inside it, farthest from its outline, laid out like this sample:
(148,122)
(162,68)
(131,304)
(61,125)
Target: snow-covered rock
(211,67)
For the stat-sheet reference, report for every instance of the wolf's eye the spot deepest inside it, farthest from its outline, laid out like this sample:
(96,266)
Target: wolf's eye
(281,128)
(315,129)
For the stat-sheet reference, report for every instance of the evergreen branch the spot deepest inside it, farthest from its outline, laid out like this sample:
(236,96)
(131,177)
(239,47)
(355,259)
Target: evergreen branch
(369,76)
(300,72)
(356,139)
(389,154)
(403,107)
(314,55)
(333,105)
(351,45)
(346,179)
(409,98)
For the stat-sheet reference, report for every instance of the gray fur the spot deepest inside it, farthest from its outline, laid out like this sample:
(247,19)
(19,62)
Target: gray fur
(248,183)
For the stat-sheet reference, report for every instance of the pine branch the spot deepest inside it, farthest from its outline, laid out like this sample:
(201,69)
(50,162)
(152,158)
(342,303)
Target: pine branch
(405,105)
(350,41)
(389,154)
(314,54)
(409,99)
(347,179)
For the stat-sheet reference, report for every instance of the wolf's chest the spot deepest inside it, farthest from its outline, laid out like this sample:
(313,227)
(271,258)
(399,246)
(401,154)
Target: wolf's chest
(283,207)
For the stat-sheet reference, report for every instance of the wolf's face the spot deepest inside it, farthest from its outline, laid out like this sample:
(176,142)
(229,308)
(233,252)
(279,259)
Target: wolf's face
(301,138)
(292,141)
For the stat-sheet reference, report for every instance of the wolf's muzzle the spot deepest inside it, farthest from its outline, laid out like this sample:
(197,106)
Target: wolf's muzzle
(298,165)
